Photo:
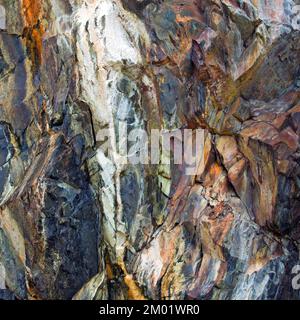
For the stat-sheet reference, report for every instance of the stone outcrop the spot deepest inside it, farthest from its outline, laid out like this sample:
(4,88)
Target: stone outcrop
(77,223)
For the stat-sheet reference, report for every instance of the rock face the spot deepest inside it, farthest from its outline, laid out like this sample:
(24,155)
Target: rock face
(76,222)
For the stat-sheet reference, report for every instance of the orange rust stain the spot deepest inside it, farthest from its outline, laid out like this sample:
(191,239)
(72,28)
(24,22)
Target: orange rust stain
(109,270)
(32,12)
(215,170)
(134,292)
(183,19)
(34,31)
(37,35)
(213,175)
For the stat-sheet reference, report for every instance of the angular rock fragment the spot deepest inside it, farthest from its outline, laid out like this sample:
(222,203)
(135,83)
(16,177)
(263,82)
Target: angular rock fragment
(76,221)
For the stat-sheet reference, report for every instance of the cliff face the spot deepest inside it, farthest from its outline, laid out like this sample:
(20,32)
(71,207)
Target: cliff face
(78,223)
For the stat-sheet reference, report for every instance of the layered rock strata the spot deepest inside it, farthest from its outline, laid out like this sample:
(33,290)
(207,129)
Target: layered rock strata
(78,223)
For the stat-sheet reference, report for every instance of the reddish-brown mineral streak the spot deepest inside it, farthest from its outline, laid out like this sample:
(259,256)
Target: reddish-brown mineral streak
(75,223)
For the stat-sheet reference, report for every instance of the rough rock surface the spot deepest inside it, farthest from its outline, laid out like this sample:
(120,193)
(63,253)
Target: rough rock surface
(75,223)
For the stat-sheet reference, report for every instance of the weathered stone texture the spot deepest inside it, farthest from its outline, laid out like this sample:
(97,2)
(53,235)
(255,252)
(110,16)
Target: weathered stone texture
(76,223)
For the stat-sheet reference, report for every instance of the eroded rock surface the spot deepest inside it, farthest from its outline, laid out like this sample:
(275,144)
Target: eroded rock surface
(78,223)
